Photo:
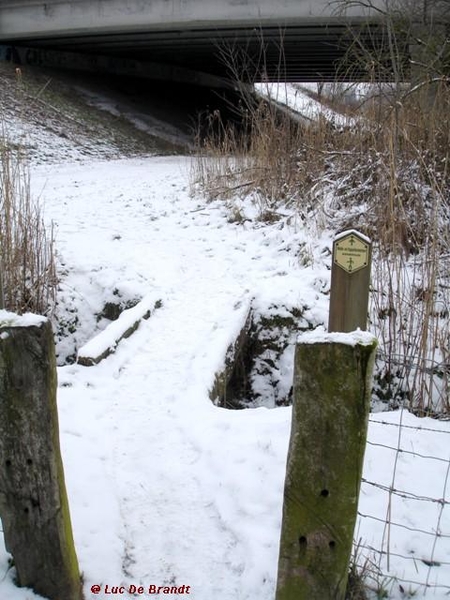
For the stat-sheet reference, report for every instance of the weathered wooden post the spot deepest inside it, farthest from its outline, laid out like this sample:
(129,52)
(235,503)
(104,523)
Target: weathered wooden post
(33,502)
(332,389)
(350,280)
(2,295)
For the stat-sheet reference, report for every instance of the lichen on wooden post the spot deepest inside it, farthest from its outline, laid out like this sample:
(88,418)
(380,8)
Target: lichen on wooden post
(332,386)
(33,502)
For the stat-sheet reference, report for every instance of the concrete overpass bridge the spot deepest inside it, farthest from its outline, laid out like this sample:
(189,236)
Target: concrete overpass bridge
(186,40)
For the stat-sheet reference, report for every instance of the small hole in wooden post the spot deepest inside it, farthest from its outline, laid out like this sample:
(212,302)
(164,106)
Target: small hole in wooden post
(26,510)
(8,463)
(332,544)
(324,493)
(29,461)
(302,541)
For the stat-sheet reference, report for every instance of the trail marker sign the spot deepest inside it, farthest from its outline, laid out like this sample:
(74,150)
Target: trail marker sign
(351,252)
(350,280)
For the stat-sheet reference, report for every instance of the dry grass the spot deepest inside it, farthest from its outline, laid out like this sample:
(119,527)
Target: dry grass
(27,255)
(387,174)
(268,154)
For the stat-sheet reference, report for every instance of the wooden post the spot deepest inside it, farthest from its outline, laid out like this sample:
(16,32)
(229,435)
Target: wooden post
(33,502)
(2,294)
(332,388)
(350,280)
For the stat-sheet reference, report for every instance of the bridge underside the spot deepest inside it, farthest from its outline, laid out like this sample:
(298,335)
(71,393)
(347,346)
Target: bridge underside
(213,56)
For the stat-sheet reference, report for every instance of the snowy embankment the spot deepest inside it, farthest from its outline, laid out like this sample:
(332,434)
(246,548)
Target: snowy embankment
(166,489)
(301,104)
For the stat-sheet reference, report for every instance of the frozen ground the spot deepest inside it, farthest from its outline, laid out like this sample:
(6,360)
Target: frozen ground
(166,489)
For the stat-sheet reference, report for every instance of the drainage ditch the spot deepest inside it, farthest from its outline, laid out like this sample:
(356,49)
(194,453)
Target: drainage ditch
(258,365)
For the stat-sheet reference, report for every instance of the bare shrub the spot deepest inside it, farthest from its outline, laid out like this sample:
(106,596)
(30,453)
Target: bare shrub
(270,154)
(394,185)
(386,173)
(27,256)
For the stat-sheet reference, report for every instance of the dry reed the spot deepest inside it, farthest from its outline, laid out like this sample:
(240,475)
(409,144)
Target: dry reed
(27,253)
(386,174)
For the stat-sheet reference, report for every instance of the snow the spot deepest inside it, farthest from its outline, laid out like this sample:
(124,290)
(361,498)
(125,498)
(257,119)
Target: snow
(144,121)
(320,336)
(9,319)
(109,338)
(299,101)
(344,234)
(166,489)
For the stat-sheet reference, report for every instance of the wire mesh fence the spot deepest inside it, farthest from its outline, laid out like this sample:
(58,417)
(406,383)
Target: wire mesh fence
(403,531)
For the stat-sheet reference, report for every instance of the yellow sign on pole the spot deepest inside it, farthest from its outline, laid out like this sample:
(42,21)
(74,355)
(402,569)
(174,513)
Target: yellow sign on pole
(351,252)
(350,281)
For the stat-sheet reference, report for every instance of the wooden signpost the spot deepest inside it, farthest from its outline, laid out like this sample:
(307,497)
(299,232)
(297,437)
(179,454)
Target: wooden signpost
(330,412)
(350,280)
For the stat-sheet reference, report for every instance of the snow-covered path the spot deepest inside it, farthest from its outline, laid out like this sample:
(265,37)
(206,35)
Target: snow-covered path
(166,489)
(160,440)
